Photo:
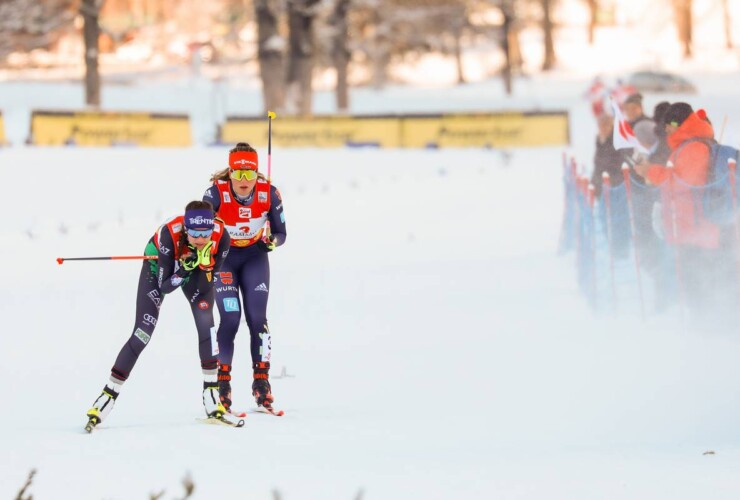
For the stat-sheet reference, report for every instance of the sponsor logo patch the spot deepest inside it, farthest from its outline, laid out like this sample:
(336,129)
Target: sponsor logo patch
(226,278)
(266,345)
(262,196)
(245,213)
(203,305)
(154,295)
(231,304)
(150,320)
(214,341)
(243,162)
(261,288)
(200,221)
(142,335)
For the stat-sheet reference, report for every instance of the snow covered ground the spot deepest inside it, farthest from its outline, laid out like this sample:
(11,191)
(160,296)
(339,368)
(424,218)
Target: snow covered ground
(437,344)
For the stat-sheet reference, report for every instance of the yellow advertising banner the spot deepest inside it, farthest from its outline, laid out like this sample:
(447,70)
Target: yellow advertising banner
(318,132)
(510,130)
(52,128)
(483,130)
(3,140)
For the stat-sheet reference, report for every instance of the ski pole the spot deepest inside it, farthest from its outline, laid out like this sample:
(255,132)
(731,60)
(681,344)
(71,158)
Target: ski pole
(674,232)
(270,117)
(591,198)
(606,191)
(633,233)
(732,167)
(60,260)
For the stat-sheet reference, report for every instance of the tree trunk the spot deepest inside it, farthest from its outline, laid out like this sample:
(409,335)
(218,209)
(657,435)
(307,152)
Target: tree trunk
(684,24)
(300,64)
(90,9)
(515,50)
(457,34)
(380,51)
(505,45)
(728,23)
(270,53)
(547,29)
(593,6)
(340,52)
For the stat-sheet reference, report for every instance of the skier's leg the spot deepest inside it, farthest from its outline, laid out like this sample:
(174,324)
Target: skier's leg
(201,305)
(148,301)
(255,279)
(255,287)
(229,308)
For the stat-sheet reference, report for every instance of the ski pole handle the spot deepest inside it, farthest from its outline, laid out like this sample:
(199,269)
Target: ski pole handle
(60,260)
(270,117)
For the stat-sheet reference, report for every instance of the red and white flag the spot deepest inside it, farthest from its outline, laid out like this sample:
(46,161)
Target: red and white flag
(624,136)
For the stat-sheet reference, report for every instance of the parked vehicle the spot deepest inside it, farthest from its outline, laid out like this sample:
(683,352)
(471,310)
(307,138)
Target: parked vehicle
(655,81)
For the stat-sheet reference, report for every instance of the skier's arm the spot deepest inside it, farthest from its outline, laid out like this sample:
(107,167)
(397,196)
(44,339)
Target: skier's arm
(276,216)
(213,197)
(224,245)
(170,275)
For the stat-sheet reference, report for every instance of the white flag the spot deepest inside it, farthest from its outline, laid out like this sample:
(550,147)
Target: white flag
(623,136)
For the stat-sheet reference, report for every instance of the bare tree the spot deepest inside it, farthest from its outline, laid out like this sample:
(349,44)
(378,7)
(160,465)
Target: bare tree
(515,49)
(90,10)
(301,16)
(340,51)
(505,33)
(684,24)
(547,31)
(405,30)
(28,24)
(25,487)
(457,24)
(380,53)
(507,9)
(271,54)
(728,23)
(593,9)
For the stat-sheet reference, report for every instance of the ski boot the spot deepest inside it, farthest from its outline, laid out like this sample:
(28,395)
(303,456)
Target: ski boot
(102,406)
(224,386)
(212,401)
(262,392)
(215,411)
(261,389)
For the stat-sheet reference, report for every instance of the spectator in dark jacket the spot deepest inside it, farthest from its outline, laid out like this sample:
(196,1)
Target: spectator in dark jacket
(606,159)
(662,151)
(633,111)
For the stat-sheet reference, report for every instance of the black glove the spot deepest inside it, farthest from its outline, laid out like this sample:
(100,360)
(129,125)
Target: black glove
(267,243)
(189,261)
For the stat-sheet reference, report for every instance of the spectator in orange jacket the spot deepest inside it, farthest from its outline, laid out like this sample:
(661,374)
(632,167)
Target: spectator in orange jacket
(705,252)
(689,135)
